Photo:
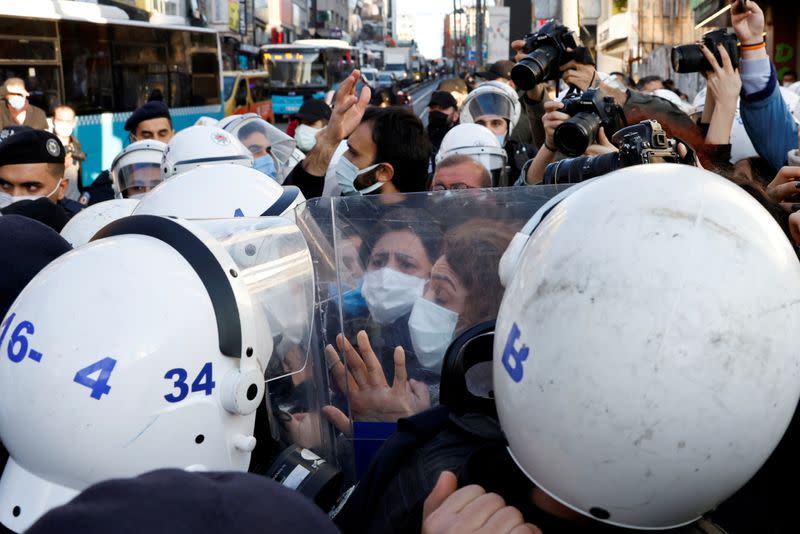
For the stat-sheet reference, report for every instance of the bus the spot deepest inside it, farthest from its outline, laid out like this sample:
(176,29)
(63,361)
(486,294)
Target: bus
(104,65)
(307,68)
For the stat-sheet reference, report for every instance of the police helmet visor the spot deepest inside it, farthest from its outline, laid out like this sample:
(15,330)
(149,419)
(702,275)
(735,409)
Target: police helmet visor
(490,104)
(139,176)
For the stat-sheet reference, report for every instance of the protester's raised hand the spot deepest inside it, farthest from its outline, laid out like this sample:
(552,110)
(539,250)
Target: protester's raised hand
(469,510)
(348,109)
(749,25)
(369,395)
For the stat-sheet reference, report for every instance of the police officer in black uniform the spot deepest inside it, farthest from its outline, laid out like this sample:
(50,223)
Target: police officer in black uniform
(32,181)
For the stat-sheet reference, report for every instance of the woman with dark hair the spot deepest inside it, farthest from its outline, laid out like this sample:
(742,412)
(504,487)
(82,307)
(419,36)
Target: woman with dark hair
(464,288)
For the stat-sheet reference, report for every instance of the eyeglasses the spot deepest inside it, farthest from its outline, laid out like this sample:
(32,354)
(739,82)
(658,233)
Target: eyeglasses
(452,187)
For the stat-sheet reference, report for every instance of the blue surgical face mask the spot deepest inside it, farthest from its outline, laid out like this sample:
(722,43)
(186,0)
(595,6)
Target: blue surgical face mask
(266,165)
(501,138)
(346,174)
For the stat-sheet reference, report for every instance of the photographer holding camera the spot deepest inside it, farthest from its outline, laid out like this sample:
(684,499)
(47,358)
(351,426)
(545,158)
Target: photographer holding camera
(766,117)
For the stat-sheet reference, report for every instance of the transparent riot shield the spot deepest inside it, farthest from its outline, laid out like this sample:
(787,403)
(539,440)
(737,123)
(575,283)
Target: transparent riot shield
(274,278)
(398,277)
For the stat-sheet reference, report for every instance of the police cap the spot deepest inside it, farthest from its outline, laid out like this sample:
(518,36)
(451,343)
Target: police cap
(154,109)
(21,144)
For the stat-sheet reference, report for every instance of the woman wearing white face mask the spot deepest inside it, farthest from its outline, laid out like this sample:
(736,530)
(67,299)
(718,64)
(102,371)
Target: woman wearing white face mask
(464,289)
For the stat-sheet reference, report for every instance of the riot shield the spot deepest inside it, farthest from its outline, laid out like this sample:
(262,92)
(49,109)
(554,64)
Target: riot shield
(398,277)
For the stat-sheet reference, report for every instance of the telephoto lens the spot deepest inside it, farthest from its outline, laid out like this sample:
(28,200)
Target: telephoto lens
(573,136)
(533,69)
(576,170)
(689,58)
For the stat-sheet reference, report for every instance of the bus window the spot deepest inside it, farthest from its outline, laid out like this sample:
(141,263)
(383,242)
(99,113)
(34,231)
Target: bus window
(296,68)
(86,61)
(205,78)
(241,93)
(259,88)
(227,89)
(15,48)
(28,27)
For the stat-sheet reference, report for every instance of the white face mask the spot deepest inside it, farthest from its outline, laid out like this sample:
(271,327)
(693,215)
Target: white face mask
(16,101)
(346,174)
(6,199)
(390,294)
(306,137)
(62,129)
(431,327)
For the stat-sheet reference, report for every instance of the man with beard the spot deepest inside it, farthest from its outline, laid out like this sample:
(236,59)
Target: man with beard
(442,116)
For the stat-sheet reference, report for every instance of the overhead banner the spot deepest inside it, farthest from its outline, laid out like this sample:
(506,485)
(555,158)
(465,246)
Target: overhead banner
(233,15)
(497,34)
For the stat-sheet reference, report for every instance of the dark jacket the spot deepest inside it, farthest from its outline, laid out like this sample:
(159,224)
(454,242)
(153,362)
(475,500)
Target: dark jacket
(34,117)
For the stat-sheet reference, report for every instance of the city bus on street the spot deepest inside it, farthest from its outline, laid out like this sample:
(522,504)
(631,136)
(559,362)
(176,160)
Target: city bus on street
(304,69)
(104,65)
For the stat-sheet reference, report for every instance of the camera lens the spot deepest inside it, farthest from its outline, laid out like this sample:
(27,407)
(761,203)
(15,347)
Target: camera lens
(533,69)
(574,136)
(689,58)
(576,170)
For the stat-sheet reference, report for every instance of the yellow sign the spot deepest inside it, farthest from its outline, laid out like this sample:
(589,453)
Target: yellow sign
(233,15)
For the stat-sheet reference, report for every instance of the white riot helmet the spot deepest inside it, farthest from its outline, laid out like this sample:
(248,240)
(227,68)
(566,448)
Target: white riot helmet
(173,381)
(637,380)
(202,145)
(204,192)
(87,222)
(475,141)
(136,170)
(492,98)
(258,135)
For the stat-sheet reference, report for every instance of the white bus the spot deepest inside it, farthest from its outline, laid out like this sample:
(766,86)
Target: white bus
(104,65)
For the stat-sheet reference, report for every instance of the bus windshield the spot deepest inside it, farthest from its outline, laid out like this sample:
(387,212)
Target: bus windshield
(296,68)
(321,68)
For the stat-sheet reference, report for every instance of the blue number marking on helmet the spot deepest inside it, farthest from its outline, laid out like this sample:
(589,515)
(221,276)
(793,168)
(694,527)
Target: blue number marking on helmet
(238,213)
(511,354)
(17,348)
(180,384)
(100,385)
(5,326)
(204,381)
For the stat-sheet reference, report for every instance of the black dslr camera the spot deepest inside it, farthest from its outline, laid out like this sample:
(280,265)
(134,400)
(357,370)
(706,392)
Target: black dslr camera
(641,143)
(547,51)
(689,57)
(588,113)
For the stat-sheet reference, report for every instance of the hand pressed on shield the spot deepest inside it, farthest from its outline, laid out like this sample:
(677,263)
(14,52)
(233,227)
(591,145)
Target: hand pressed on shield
(369,395)
(469,509)
(785,188)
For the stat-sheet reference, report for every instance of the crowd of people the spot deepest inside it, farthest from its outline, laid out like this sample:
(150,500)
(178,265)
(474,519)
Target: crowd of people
(564,307)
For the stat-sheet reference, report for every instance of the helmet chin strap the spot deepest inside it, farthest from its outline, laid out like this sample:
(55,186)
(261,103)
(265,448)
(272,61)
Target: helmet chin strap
(25,497)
